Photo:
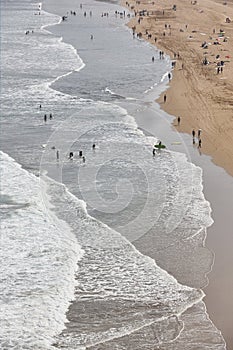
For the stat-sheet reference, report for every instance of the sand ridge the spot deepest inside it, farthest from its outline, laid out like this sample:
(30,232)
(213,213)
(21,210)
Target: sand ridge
(193,32)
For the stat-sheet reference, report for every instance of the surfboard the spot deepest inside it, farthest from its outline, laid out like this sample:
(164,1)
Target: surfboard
(159,146)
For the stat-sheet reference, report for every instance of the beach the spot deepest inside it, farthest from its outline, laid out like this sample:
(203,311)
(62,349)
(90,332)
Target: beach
(202,99)
(123,228)
(200,95)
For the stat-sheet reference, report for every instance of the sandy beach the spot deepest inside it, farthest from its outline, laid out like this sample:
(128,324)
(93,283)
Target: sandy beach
(198,93)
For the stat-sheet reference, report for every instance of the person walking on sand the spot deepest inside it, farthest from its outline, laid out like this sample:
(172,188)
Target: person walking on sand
(178,121)
(199,133)
(164,98)
(193,133)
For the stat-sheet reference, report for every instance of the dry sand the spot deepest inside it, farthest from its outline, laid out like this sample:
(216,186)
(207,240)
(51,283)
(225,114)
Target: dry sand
(198,94)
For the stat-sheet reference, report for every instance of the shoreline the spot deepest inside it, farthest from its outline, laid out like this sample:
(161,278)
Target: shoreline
(219,238)
(184,100)
(197,94)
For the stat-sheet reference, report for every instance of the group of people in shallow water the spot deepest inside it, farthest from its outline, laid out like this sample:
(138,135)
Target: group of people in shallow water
(50,116)
(80,154)
(71,154)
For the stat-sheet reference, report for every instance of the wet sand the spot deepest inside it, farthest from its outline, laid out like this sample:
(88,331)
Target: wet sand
(219,240)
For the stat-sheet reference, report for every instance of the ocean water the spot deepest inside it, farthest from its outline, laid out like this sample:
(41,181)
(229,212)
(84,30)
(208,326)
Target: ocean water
(105,252)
